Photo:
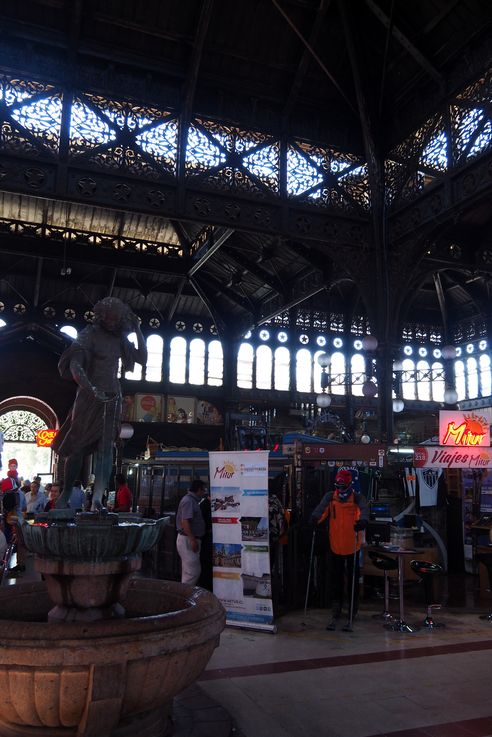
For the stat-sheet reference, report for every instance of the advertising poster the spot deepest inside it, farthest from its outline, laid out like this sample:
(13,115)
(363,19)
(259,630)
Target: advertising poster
(181,410)
(148,407)
(241,552)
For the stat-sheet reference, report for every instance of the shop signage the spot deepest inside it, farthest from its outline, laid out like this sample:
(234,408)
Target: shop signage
(44,438)
(463,429)
(446,457)
(355,454)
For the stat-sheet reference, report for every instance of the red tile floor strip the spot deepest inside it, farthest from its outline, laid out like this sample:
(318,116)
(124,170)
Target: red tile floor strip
(290,666)
(480,727)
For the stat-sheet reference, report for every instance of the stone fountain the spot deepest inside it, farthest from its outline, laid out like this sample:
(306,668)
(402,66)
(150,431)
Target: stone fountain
(92,651)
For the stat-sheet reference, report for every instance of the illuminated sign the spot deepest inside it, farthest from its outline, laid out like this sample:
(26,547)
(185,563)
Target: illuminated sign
(44,438)
(446,457)
(463,429)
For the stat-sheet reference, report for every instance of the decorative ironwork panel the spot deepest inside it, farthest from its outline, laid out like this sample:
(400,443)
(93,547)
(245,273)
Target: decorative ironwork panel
(317,176)
(123,135)
(472,132)
(229,158)
(31,117)
(21,426)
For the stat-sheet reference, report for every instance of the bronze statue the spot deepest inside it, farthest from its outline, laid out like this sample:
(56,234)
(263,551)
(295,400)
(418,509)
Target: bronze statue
(94,421)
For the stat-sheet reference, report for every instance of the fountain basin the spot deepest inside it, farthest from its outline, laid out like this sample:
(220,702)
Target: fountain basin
(106,678)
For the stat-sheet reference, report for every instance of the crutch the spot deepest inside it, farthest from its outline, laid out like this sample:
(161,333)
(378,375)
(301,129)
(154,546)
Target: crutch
(309,573)
(348,626)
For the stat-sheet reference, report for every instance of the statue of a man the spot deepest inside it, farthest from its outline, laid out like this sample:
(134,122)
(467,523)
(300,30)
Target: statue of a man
(94,421)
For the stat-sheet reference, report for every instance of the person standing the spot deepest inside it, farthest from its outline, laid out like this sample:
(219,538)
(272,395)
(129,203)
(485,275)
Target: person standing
(191,529)
(35,499)
(123,497)
(77,497)
(347,513)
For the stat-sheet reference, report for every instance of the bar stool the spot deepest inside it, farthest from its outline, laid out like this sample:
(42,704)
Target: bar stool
(426,571)
(486,559)
(386,564)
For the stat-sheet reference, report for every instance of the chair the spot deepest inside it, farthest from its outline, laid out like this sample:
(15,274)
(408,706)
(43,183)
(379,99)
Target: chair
(486,559)
(426,571)
(386,564)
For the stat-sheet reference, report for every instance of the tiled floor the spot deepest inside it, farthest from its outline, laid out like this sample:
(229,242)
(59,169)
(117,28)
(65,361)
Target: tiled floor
(369,683)
(305,681)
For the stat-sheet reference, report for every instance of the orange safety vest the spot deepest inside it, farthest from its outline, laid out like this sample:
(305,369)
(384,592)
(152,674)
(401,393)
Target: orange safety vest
(342,517)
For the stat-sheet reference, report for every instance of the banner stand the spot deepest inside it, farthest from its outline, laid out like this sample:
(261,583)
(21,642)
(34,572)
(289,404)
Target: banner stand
(272,628)
(240,537)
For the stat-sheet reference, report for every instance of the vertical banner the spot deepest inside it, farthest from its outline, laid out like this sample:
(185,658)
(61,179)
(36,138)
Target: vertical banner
(241,550)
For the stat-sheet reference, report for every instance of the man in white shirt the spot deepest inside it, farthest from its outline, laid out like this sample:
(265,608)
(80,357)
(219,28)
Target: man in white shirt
(35,499)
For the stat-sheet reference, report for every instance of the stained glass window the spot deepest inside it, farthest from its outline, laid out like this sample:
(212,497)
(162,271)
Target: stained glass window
(472,377)
(408,379)
(423,382)
(485,376)
(438,383)
(337,369)
(264,164)
(460,379)
(358,369)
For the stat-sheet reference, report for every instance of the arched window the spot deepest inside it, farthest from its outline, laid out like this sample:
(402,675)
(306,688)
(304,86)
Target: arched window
(337,373)
(136,374)
(281,372)
(408,379)
(485,376)
(153,370)
(358,369)
(459,378)
(69,330)
(303,370)
(245,357)
(263,367)
(197,361)
(472,377)
(438,384)
(423,381)
(215,366)
(177,360)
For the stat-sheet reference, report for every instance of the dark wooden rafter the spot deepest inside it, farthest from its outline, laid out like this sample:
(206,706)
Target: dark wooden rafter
(37,282)
(270,280)
(316,57)
(217,239)
(306,58)
(421,60)
(442,303)
(190,88)
(174,304)
(210,303)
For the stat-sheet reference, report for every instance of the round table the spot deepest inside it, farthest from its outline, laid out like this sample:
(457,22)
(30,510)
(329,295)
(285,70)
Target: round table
(399,625)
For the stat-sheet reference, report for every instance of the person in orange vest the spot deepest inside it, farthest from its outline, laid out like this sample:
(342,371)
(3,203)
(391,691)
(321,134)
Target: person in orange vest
(347,513)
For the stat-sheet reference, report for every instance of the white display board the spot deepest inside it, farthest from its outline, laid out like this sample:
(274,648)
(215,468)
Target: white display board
(241,550)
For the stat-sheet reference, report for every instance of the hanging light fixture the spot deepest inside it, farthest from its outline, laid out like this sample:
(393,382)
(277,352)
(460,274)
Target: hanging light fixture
(448,352)
(450,395)
(369,389)
(324,400)
(398,405)
(369,343)
(365,439)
